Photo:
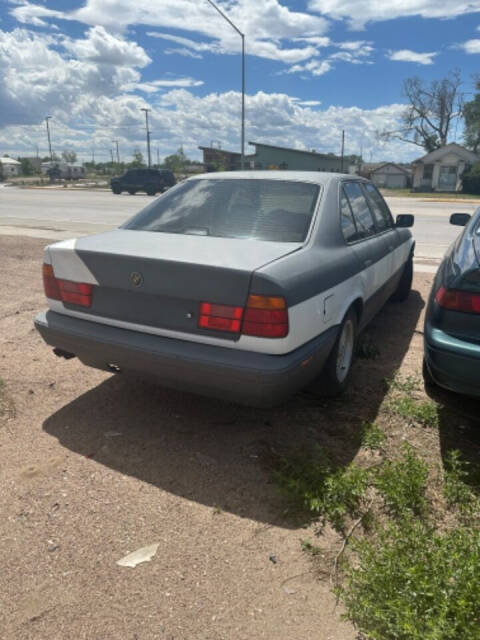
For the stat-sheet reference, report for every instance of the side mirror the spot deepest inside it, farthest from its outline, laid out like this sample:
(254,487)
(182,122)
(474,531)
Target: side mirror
(405,220)
(460,219)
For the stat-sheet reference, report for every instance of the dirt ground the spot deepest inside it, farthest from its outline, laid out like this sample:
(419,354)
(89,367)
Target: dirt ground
(94,467)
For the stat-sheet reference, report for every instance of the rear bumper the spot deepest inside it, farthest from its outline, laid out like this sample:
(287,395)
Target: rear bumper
(453,364)
(240,376)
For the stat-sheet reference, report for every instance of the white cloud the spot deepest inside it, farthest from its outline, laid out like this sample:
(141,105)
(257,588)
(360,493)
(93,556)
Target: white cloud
(33,14)
(316,67)
(471,46)
(267,23)
(182,52)
(36,79)
(104,48)
(360,12)
(405,55)
(156,85)
(309,103)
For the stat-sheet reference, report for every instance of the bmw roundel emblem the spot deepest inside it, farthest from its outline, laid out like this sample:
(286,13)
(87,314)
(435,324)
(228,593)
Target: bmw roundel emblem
(136,279)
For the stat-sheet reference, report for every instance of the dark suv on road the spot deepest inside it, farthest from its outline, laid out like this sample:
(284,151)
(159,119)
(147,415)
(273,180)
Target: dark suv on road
(151,181)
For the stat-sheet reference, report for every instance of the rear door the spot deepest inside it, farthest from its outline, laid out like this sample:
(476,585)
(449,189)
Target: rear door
(370,247)
(394,259)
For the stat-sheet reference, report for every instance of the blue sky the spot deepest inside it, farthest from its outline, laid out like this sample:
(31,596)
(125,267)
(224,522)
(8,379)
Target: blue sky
(314,67)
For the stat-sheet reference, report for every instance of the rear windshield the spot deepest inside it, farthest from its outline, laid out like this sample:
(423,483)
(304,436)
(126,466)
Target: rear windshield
(274,210)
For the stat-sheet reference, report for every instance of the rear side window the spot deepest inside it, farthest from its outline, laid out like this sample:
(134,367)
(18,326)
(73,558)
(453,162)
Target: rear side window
(349,228)
(381,212)
(361,211)
(272,210)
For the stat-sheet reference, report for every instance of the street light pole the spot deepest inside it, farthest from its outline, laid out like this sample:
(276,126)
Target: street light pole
(48,136)
(242,35)
(118,153)
(148,136)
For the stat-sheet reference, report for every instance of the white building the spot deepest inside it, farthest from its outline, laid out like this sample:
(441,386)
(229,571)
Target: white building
(390,176)
(442,169)
(10,167)
(69,171)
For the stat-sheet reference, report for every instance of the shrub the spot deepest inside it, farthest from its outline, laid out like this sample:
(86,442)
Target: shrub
(412,583)
(471,180)
(321,489)
(403,482)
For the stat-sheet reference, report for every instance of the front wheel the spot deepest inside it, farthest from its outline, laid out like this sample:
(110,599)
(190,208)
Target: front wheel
(150,192)
(404,286)
(132,192)
(116,190)
(336,373)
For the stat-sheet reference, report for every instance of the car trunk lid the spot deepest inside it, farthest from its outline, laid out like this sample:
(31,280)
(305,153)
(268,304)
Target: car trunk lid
(160,279)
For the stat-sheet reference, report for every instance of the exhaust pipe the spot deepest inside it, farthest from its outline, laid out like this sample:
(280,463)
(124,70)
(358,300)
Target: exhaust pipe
(60,353)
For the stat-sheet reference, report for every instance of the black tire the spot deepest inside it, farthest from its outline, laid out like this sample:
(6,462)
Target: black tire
(405,284)
(132,192)
(116,190)
(331,382)
(150,192)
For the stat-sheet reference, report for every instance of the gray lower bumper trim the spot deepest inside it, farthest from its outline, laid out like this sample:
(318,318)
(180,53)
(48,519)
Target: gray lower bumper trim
(241,376)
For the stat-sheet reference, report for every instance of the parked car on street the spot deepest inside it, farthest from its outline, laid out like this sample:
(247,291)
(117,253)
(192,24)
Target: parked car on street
(245,286)
(452,320)
(151,181)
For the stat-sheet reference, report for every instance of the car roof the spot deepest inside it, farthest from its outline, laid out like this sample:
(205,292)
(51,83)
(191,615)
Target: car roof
(317,177)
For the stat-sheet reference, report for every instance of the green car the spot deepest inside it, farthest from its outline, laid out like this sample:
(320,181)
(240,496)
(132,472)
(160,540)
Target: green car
(452,321)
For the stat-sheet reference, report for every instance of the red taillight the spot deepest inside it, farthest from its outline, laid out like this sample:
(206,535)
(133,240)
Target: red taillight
(78,293)
(220,317)
(264,316)
(50,283)
(458,300)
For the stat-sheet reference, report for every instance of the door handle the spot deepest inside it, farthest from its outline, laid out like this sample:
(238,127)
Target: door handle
(368,262)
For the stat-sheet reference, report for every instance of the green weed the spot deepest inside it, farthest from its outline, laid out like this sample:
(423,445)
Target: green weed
(456,490)
(373,437)
(367,349)
(411,583)
(310,548)
(424,412)
(403,482)
(321,489)
(406,385)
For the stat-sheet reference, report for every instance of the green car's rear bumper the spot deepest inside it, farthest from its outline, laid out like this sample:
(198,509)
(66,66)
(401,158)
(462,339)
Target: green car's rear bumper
(453,363)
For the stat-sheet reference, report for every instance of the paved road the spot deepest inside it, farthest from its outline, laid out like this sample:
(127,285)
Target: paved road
(61,213)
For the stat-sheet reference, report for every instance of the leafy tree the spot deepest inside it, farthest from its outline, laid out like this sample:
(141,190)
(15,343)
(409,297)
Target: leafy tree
(471,114)
(27,167)
(432,108)
(177,161)
(471,180)
(69,156)
(137,160)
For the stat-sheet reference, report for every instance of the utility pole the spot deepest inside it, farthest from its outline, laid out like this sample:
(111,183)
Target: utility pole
(111,155)
(115,142)
(158,157)
(343,148)
(48,136)
(148,136)
(242,35)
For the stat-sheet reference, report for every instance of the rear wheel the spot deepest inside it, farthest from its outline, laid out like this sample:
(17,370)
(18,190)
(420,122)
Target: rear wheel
(132,192)
(336,373)
(405,285)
